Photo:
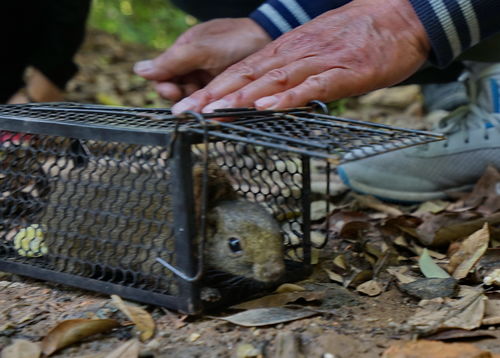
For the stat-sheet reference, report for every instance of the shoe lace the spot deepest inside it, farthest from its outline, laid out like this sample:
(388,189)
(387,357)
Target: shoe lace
(466,118)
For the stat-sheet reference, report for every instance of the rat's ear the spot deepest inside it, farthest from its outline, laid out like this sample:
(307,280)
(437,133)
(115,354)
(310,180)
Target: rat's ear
(219,187)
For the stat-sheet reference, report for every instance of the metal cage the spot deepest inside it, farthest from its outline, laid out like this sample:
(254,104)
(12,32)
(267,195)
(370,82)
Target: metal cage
(102,197)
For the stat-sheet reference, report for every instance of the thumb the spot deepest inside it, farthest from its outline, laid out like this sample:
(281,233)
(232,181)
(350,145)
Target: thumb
(175,61)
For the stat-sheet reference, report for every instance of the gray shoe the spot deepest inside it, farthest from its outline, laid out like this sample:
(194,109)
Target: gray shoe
(432,171)
(445,96)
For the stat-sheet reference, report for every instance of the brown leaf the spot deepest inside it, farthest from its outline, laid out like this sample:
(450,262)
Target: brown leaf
(371,288)
(128,349)
(267,316)
(458,231)
(370,202)
(22,349)
(492,312)
(458,334)
(142,319)
(464,313)
(486,193)
(74,330)
(432,349)
(281,299)
(470,252)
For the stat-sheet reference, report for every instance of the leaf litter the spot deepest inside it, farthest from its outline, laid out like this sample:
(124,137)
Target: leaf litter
(354,298)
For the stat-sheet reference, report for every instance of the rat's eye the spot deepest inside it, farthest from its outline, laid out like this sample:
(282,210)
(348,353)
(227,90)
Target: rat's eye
(234,245)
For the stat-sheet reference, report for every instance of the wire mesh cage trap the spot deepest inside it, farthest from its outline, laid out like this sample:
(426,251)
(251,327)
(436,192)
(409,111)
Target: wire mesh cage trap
(173,211)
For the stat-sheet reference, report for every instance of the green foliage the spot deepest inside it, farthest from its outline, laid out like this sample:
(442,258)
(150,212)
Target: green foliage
(153,22)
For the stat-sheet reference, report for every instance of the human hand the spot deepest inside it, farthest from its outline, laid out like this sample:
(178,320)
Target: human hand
(200,53)
(362,46)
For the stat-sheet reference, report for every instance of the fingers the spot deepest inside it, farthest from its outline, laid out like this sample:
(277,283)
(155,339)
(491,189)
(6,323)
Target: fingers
(275,81)
(231,80)
(327,86)
(176,61)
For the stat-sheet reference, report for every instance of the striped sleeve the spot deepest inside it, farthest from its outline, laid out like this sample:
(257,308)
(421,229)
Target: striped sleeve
(280,16)
(453,26)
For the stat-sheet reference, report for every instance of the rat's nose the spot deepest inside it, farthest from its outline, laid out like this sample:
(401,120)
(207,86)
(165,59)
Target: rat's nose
(270,271)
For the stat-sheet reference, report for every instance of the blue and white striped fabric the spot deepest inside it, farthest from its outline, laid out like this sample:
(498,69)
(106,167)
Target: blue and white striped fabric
(452,25)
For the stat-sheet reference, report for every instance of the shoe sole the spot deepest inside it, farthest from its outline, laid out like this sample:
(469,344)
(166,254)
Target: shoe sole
(400,197)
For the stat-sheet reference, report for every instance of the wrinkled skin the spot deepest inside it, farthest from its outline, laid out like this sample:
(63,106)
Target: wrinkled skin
(201,53)
(362,46)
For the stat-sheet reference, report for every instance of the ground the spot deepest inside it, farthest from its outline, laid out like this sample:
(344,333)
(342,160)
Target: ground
(345,323)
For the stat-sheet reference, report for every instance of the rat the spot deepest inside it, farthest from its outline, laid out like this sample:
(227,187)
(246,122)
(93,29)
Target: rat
(105,218)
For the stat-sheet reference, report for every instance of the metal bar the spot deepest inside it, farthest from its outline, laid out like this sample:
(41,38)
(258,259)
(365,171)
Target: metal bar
(264,144)
(378,125)
(306,210)
(131,293)
(271,135)
(184,220)
(133,135)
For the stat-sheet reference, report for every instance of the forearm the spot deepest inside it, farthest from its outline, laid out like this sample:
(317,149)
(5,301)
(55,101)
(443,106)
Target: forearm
(280,16)
(453,26)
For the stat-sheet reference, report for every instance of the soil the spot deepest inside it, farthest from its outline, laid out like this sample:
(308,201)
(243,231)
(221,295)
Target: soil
(346,323)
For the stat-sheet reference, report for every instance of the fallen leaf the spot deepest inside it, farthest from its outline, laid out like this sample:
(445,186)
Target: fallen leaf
(128,349)
(334,276)
(486,193)
(370,202)
(142,319)
(401,276)
(433,207)
(429,268)
(470,252)
(281,299)
(433,349)
(458,334)
(267,316)
(371,288)
(492,312)
(289,287)
(22,348)
(74,330)
(467,312)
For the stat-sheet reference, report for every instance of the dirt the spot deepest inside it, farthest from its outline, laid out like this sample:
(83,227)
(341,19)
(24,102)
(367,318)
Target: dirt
(346,323)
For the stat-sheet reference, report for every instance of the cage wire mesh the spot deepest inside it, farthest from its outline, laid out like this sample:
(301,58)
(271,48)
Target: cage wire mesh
(92,196)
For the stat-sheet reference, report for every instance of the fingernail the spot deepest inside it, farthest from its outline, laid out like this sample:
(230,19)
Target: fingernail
(143,66)
(220,104)
(187,104)
(266,102)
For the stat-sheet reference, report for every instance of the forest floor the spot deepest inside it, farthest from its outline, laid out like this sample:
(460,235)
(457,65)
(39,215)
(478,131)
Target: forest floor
(357,303)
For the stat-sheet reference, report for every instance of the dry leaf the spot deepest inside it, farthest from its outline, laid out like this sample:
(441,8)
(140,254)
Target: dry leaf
(280,299)
(74,330)
(464,313)
(142,319)
(371,202)
(371,288)
(433,349)
(492,312)
(128,349)
(267,316)
(458,334)
(334,276)
(399,273)
(246,350)
(289,287)
(22,349)
(470,252)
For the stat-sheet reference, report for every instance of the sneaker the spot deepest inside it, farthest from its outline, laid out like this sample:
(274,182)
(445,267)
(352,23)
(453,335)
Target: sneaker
(444,96)
(434,170)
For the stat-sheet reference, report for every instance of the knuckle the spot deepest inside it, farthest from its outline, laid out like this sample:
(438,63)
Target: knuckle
(243,71)
(319,85)
(278,76)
